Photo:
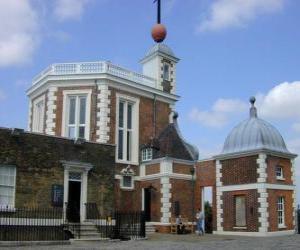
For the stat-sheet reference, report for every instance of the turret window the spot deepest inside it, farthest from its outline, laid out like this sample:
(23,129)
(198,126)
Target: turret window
(147,154)
(166,72)
(279,173)
(280,211)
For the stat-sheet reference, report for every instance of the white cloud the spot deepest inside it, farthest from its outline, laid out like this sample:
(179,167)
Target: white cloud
(219,114)
(70,9)
(236,13)
(282,101)
(18,32)
(279,103)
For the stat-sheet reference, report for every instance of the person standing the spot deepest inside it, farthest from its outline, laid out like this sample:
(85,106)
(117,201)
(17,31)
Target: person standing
(200,219)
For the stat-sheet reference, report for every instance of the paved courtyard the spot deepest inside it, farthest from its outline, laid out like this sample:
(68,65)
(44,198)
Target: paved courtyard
(186,242)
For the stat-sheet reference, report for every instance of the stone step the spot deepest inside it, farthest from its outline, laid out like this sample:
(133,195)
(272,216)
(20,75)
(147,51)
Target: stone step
(150,229)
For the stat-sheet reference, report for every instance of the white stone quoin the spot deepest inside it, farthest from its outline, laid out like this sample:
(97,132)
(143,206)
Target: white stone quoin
(103,120)
(165,200)
(51,108)
(219,196)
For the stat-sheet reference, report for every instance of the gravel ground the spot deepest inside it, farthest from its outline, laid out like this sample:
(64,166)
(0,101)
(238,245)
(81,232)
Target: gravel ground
(186,242)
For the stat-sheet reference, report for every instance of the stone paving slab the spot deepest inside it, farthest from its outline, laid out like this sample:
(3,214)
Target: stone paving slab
(186,242)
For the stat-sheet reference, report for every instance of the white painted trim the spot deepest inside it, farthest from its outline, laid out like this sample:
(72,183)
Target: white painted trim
(135,128)
(118,83)
(82,168)
(256,186)
(122,183)
(34,128)
(29,121)
(254,152)
(256,234)
(172,176)
(167,158)
(66,93)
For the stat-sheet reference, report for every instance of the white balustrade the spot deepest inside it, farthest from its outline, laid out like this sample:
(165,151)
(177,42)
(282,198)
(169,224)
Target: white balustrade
(94,68)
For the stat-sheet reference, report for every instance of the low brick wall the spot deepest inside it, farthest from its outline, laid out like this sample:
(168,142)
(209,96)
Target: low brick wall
(38,166)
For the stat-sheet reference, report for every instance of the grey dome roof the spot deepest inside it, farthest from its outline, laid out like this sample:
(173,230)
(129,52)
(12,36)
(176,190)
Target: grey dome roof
(162,48)
(254,134)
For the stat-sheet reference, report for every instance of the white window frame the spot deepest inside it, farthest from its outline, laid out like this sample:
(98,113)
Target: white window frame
(169,71)
(12,206)
(281,211)
(65,114)
(135,129)
(132,182)
(38,119)
(147,154)
(279,177)
(242,197)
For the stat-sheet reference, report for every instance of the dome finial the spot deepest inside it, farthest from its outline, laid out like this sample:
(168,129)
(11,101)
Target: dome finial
(253,110)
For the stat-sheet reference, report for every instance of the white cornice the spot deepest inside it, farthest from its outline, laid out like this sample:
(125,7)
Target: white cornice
(169,175)
(89,80)
(254,152)
(255,186)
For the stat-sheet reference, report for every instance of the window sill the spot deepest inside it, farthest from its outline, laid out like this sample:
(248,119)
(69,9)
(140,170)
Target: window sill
(127,188)
(239,227)
(127,162)
(280,178)
(282,226)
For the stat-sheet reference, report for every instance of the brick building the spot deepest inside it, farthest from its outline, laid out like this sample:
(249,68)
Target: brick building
(154,169)
(39,171)
(104,103)
(253,181)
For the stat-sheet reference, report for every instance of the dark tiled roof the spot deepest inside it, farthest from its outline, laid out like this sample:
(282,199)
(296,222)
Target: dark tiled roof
(172,144)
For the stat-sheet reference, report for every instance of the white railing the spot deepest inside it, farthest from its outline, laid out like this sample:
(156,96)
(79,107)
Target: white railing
(94,68)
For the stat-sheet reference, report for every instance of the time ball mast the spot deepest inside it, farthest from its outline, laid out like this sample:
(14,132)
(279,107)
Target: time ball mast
(159,31)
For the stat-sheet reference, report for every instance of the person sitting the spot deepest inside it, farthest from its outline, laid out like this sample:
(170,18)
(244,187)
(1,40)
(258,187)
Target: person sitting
(180,225)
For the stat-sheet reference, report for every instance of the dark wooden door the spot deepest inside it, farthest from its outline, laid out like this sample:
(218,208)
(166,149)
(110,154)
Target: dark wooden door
(73,208)
(147,203)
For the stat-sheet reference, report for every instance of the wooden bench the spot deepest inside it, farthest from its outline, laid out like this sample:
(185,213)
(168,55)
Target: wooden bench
(173,226)
(188,227)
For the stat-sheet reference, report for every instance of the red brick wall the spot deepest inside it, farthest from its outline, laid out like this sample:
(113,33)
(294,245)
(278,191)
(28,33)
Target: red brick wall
(251,210)
(206,173)
(132,200)
(206,177)
(152,169)
(59,110)
(241,170)
(274,161)
(182,191)
(182,168)
(272,209)
(128,200)
(145,116)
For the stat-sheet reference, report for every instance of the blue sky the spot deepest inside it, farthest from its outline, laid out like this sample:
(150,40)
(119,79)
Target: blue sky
(229,50)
